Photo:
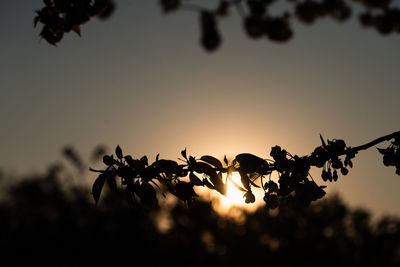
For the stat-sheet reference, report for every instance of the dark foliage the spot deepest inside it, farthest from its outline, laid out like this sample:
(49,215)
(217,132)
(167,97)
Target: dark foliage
(61,16)
(295,187)
(46,223)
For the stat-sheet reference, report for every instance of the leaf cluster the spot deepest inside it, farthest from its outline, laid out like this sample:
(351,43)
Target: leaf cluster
(391,155)
(61,16)
(295,186)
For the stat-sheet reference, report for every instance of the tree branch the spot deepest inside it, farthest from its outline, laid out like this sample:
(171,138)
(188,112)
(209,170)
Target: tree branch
(376,141)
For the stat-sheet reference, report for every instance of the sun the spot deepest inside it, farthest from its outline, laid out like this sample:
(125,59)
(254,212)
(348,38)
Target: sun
(232,204)
(234,196)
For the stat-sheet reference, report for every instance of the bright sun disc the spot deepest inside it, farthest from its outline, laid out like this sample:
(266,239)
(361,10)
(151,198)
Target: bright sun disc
(234,196)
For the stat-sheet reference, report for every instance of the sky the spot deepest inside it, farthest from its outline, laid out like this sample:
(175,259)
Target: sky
(141,80)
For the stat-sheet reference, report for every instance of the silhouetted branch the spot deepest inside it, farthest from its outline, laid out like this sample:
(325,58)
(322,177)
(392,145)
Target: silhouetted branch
(377,141)
(295,186)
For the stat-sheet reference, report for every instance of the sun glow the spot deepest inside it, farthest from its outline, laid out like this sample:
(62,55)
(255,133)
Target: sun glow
(232,204)
(234,200)
(234,196)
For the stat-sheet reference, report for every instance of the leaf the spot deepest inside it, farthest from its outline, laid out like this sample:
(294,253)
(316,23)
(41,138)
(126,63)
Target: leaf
(77,29)
(250,163)
(225,160)
(201,167)
(195,180)
(98,187)
(350,163)
(322,141)
(165,166)
(208,184)
(252,178)
(212,160)
(219,185)
(146,193)
(185,191)
(249,197)
(183,153)
(108,160)
(118,152)
(35,21)
(144,160)
(169,5)
(245,180)
(271,186)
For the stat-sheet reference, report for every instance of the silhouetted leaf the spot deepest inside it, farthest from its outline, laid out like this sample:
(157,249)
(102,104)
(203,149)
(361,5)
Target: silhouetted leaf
(144,160)
(335,175)
(271,186)
(185,191)
(226,160)
(118,152)
(195,180)
(169,5)
(108,160)
(130,161)
(165,166)
(208,184)
(250,163)
(249,197)
(219,185)
(77,30)
(210,37)
(146,193)
(201,167)
(344,171)
(245,180)
(322,141)
(183,153)
(98,186)
(109,9)
(252,178)
(212,160)
(254,26)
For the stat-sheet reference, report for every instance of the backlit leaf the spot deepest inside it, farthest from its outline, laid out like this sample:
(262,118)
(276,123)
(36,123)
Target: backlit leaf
(98,186)
(118,152)
(250,163)
(195,180)
(212,160)
(183,153)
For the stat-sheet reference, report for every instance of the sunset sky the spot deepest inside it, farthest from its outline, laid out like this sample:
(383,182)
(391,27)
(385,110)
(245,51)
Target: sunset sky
(141,80)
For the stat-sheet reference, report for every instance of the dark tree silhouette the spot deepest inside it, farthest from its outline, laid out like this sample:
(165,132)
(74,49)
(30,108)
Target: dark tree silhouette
(48,223)
(295,187)
(62,16)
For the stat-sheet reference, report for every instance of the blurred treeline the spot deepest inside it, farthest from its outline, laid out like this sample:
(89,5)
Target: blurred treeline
(45,221)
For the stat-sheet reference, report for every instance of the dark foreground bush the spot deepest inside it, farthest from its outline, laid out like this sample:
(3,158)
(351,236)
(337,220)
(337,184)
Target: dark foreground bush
(44,222)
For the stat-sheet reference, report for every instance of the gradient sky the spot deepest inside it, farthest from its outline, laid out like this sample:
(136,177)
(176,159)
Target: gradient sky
(141,80)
